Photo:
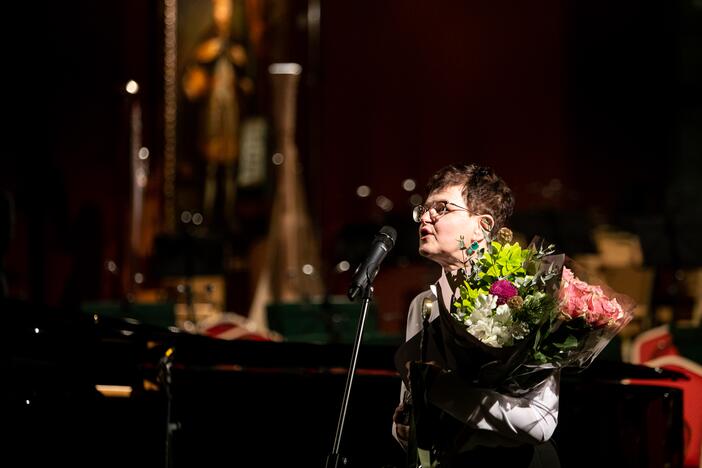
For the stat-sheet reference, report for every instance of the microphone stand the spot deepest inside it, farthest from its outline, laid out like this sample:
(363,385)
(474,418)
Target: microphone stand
(334,460)
(165,378)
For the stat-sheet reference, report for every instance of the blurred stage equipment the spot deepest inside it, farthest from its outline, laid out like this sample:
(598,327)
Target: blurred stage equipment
(217,82)
(291,271)
(139,176)
(231,326)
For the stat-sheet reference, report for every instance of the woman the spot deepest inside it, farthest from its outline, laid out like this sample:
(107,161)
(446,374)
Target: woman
(468,202)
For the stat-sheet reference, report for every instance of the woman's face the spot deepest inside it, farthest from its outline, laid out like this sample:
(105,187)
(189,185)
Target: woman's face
(439,239)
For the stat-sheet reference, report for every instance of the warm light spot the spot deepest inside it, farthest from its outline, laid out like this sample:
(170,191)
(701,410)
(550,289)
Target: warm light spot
(363,191)
(141,179)
(132,87)
(278,159)
(384,203)
(284,69)
(307,269)
(343,266)
(415,199)
(409,185)
(117,391)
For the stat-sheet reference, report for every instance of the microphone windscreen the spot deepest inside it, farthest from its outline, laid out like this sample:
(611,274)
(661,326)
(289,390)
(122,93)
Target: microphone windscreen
(389,232)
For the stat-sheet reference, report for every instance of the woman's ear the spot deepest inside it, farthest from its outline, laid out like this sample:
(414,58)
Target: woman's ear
(486,223)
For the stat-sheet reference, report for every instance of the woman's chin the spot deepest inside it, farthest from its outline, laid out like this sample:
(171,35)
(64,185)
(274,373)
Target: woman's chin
(426,251)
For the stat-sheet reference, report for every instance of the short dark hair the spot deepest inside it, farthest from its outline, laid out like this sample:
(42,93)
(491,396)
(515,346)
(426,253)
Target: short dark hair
(483,191)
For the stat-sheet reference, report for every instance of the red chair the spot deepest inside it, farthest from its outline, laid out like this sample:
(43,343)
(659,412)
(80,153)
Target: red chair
(652,344)
(692,399)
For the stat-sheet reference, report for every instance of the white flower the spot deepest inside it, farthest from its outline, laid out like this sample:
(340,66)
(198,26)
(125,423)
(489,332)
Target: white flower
(521,281)
(493,324)
(485,303)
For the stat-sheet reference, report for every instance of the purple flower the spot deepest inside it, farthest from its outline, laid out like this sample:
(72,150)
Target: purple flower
(504,290)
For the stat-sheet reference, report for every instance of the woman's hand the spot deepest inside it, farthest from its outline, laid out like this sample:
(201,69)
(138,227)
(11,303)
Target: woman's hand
(401,420)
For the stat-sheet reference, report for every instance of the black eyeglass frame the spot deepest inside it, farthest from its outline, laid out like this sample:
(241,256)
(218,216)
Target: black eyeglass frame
(419,210)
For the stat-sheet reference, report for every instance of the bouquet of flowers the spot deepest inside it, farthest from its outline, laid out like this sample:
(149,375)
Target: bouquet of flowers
(522,313)
(514,295)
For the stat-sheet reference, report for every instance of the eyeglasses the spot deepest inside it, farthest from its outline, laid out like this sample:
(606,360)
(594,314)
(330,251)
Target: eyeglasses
(436,210)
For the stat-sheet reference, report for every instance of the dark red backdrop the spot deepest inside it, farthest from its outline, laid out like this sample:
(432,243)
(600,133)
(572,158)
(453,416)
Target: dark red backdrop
(573,95)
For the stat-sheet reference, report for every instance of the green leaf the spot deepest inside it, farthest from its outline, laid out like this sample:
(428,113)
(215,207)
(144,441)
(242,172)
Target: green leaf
(494,271)
(540,357)
(569,343)
(537,339)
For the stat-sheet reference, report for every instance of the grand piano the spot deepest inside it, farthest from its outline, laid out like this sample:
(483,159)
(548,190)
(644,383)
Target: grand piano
(97,391)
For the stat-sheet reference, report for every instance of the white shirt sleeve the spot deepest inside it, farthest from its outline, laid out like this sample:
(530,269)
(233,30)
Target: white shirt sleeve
(531,418)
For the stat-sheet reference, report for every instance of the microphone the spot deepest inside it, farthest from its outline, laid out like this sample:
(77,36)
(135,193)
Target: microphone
(368,269)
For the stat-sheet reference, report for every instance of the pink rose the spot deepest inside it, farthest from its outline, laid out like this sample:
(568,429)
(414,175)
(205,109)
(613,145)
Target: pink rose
(613,309)
(571,295)
(596,316)
(604,311)
(580,299)
(575,306)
